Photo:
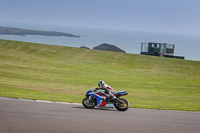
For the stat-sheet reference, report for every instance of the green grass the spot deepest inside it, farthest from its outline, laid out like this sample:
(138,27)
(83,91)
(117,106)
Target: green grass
(57,73)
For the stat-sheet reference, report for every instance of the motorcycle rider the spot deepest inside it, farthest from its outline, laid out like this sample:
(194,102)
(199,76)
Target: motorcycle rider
(107,90)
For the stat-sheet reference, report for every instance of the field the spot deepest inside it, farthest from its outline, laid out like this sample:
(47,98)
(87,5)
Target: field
(58,73)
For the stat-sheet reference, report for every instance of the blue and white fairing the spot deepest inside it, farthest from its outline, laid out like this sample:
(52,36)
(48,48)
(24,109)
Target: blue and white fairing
(98,97)
(88,93)
(120,92)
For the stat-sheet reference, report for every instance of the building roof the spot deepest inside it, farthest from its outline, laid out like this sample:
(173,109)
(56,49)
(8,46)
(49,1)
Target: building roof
(108,47)
(84,47)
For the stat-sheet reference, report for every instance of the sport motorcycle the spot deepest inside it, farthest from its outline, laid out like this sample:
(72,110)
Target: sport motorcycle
(97,98)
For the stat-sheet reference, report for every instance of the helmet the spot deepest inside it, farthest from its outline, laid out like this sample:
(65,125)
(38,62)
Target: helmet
(101,83)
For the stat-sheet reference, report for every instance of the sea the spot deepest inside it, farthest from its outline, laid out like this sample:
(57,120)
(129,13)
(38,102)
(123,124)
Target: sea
(186,45)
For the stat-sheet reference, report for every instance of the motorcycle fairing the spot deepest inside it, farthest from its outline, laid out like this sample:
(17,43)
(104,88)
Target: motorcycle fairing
(99,99)
(120,92)
(88,93)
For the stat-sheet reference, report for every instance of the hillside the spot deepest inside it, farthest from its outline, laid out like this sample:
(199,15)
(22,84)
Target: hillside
(23,32)
(58,73)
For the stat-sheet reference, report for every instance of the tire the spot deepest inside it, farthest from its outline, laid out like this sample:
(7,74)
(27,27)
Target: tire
(88,104)
(122,107)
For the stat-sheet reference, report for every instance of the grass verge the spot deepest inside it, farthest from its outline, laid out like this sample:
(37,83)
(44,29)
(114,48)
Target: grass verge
(64,74)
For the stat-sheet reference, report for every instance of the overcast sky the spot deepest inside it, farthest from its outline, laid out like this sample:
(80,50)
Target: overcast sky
(182,16)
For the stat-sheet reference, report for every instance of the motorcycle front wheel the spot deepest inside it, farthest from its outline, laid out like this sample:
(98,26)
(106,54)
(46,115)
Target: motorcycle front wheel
(87,103)
(123,105)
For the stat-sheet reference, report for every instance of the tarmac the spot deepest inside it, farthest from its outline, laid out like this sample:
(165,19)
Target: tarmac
(30,116)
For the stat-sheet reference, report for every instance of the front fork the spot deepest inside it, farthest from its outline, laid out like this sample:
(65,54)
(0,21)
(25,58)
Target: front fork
(90,99)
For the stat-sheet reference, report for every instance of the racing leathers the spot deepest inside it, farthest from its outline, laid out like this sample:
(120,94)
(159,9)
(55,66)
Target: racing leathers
(107,91)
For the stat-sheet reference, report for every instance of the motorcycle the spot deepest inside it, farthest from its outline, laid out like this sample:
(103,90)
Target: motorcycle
(97,98)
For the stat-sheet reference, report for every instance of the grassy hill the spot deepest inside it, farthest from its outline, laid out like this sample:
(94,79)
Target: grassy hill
(58,73)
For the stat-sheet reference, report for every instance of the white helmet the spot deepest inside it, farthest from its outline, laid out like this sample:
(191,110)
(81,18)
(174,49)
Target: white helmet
(101,83)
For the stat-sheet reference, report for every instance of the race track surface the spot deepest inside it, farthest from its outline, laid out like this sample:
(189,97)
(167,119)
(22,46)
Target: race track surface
(19,116)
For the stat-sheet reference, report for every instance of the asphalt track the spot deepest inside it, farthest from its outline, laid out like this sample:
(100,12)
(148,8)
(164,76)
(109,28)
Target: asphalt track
(19,116)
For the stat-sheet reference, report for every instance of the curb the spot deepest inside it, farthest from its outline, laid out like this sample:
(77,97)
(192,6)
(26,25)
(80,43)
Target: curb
(41,101)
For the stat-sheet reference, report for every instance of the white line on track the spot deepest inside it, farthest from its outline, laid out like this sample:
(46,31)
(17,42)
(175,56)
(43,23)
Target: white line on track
(43,101)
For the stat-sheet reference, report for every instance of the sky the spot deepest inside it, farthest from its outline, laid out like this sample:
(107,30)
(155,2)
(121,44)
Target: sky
(174,16)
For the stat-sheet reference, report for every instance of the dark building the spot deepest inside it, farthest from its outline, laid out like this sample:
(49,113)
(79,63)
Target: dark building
(108,47)
(84,47)
(159,49)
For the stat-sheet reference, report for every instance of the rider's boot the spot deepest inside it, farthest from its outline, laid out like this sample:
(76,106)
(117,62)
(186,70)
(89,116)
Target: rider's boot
(113,98)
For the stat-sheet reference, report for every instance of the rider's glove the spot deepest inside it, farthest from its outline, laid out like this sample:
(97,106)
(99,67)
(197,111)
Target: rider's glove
(96,89)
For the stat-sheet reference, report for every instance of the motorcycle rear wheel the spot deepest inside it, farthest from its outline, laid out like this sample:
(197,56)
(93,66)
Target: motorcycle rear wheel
(88,103)
(122,106)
